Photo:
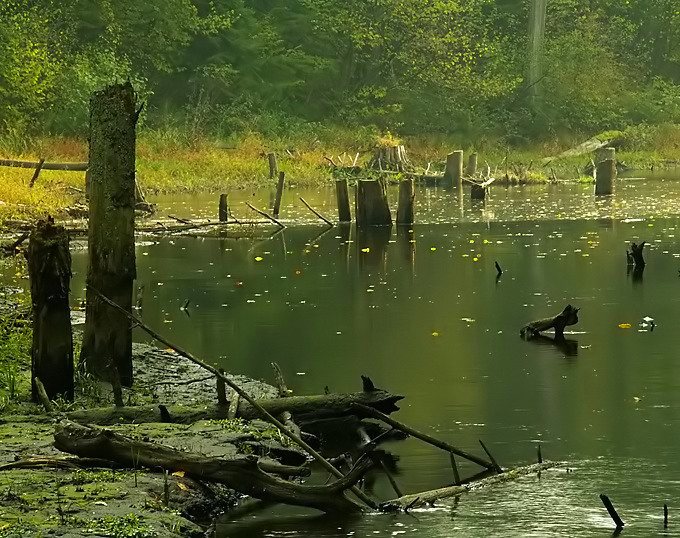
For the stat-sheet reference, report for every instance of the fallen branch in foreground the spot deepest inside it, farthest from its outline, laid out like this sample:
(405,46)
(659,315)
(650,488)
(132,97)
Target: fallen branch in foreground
(415,500)
(245,474)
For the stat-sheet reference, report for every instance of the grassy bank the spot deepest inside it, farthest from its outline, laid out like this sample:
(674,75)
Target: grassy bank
(170,162)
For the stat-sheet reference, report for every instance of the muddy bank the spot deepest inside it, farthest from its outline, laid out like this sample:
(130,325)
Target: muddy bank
(39,497)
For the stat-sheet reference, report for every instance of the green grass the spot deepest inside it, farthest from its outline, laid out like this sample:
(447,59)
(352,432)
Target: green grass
(168,161)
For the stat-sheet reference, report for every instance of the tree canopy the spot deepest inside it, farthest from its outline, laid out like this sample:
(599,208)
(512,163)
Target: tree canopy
(409,65)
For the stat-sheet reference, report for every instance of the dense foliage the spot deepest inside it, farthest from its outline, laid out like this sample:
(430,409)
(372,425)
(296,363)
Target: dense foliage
(222,66)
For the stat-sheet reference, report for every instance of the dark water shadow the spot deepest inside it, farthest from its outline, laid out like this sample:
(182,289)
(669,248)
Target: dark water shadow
(568,346)
(313,523)
(371,245)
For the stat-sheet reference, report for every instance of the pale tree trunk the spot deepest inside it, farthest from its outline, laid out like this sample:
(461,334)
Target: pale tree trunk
(537,16)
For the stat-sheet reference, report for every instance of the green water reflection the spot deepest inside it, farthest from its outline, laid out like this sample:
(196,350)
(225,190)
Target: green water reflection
(423,314)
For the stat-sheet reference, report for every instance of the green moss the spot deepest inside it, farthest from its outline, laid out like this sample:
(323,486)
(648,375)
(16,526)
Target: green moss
(128,526)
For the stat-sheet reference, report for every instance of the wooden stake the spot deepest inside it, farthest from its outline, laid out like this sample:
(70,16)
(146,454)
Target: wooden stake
(496,467)
(665,516)
(221,390)
(243,394)
(540,456)
(405,209)
(342,195)
(279,194)
(273,167)
(454,467)
(604,180)
(454,168)
(612,512)
(316,212)
(36,173)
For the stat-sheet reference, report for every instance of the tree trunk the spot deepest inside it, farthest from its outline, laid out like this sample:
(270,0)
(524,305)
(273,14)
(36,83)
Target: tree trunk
(243,474)
(49,270)
(372,208)
(406,198)
(107,339)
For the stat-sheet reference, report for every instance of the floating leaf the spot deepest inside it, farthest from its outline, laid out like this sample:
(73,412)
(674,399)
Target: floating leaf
(178,473)
(625,325)
(435,333)
(182,486)
(258,258)
(367,249)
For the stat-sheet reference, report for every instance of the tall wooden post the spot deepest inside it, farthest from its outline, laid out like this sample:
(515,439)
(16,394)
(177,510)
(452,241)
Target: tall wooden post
(372,208)
(49,271)
(107,338)
(342,195)
(279,194)
(223,211)
(407,196)
(454,168)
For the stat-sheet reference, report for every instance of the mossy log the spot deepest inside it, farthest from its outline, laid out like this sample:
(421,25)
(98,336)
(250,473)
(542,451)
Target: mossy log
(302,408)
(107,337)
(424,498)
(568,316)
(49,271)
(243,473)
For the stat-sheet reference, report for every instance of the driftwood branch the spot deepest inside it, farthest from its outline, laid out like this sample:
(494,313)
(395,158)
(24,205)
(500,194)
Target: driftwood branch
(265,215)
(316,212)
(243,473)
(568,316)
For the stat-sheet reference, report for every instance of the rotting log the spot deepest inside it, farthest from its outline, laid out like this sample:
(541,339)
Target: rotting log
(415,500)
(372,208)
(65,167)
(405,209)
(49,271)
(302,408)
(107,337)
(243,473)
(568,316)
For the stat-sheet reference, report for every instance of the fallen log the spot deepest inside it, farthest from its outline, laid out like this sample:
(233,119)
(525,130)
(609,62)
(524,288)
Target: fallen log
(568,316)
(302,408)
(423,498)
(242,473)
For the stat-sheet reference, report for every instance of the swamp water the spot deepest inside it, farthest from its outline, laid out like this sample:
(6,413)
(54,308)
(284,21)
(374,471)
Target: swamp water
(423,314)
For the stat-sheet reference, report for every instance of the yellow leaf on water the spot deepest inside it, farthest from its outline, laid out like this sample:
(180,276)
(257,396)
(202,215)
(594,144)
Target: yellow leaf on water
(433,249)
(625,325)
(170,350)
(367,249)
(183,487)
(258,258)
(435,333)
(178,473)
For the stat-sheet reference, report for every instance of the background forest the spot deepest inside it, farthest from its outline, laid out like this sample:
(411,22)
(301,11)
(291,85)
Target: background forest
(222,67)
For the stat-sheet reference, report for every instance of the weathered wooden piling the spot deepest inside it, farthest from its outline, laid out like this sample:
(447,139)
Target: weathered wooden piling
(471,168)
(405,209)
(612,512)
(605,171)
(49,271)
(372,208)
(279,194)
(223,211)
(107,338)
(342,195)
(454,168)
(273,166)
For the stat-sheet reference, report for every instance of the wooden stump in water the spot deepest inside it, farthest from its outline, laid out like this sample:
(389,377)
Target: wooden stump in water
(223,211)
(279,194)
(605,176)
(342,195)
(107,338)
(372,208)
(407,196)
(49,271)
(477,192)
(273,166)
(454,168)
(389,158)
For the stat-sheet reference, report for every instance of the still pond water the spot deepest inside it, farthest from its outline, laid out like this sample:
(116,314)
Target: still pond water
(423,314)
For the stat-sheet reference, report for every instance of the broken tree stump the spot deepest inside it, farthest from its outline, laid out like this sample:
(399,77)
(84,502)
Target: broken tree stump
(604,177)
(49,271)
(453,173)
(372,208)
(342,195)
(405,208)
(107,337)
(223,210)
(568,316)
(635,254)
(245,474)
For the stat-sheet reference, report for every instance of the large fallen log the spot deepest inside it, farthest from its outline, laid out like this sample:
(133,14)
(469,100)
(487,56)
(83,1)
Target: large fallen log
(242,473)
(302,408)
(423,498)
